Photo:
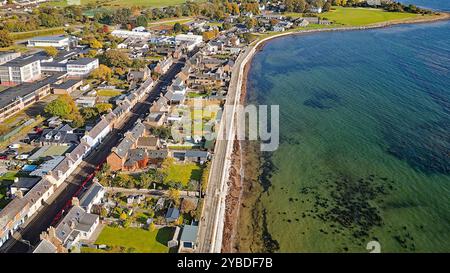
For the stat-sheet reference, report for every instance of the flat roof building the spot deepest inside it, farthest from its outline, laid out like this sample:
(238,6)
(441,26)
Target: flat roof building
(58,41)
(19,70)
(81,67)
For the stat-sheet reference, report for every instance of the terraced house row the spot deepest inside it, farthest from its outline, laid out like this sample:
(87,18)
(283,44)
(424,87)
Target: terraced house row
(22,207)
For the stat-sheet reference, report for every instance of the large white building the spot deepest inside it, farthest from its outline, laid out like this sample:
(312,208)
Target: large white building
(20,70)
(81,67)
(60,41)
(8,56)
(189,38)
(138,32)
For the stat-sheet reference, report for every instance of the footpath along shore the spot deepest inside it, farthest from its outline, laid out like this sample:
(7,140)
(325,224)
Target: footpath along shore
(227,213)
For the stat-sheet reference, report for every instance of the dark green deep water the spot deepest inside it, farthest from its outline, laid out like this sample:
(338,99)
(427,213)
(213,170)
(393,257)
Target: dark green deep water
(365,139)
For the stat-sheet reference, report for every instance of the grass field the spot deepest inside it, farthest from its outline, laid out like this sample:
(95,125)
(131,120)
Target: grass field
(108,93)
(364,16)
(34,33)
(182,172)
(141,240)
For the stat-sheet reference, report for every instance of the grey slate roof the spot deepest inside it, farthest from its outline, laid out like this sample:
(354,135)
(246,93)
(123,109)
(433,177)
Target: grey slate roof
(89,196)
(45,246)
(189,233)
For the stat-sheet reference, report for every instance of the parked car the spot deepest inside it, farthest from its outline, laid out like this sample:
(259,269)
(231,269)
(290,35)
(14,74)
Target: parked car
(14,146)
(12,152)
(22,156)
(3,157)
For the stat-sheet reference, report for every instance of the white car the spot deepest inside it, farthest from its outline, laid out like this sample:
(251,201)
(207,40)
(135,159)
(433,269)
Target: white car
(14,146)
(22,156)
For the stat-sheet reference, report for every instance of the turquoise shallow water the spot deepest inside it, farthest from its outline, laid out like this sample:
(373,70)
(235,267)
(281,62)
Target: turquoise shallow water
(365,138)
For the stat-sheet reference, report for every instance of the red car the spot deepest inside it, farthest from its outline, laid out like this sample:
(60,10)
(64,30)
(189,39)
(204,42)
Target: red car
(3,157)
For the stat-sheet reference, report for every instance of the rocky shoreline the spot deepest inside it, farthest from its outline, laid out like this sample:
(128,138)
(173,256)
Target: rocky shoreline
(235,239)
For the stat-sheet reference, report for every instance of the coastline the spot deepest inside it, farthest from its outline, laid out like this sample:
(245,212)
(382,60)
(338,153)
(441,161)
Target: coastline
(238,186)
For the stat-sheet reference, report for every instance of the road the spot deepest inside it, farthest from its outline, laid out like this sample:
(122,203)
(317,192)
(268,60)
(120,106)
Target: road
(43,219)
(211,223)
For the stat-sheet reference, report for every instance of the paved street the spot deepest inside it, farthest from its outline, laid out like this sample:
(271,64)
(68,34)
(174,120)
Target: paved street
(43,219)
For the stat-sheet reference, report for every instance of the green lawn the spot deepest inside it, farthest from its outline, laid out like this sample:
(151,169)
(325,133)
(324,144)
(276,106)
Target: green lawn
(141,240)
(182,172)
(364,16)
(5,180)
(108,93)
(9,176)
(171,22)
(39,32)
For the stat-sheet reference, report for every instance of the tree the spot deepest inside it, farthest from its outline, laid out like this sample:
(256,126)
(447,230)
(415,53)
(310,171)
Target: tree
(327,6)
(174,195)
(5,39)
(142,21)
(103,107)
(123,216)
(103,212)
(89,113)
(115,58)
(177,27)
(188,205)
(94,43)
(102,73)
(51,51)
(152,226)
(144,180)
(63,107)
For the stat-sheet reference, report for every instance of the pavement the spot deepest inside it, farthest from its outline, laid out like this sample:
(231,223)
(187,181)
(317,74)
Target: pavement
(34,226)
(212,220)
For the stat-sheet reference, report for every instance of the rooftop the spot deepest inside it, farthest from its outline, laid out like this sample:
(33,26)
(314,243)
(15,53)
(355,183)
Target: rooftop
(11,94)
(22,60)
(55,38)
(82,61)
(189,233)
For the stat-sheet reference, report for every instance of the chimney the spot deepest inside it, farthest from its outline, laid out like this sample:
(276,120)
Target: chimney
(73,224)
(75,201)
(51,232)
(19,194)
(43,235)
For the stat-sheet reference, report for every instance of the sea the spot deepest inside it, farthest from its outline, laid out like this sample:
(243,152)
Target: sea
(364,154)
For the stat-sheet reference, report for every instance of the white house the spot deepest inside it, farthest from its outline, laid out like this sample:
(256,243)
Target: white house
(82,67)
(92,196)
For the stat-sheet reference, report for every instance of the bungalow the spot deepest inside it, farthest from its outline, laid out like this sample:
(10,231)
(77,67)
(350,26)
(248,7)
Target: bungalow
(188,240)
(191,155)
